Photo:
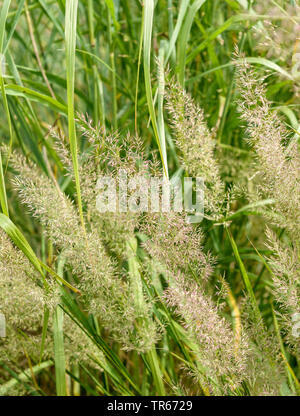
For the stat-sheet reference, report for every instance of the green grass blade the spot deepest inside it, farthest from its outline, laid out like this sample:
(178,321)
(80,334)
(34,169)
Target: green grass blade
(44,331)
(156,372)
(77,315)
(184,36)
(182,11)
(50,15)
(14,25)
(268,64)
(160,104)
(3,196)
(111,7)
(290,372)
(58,277)
(244,275)
(24,376)
(59,352)
(225,26)
(3,17)
(250,209)
(138,76)
(147,30)
(70,39)
(20,91)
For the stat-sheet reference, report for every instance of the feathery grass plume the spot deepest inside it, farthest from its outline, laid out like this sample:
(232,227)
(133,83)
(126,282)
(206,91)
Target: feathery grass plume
(109,156)
(22,299)
(278,159)
(105,291)
(177,247)
(236,168)
(278,170)
(220,366)
(197,147)
(173,239)
(285,262)
(22,302)
(19,351)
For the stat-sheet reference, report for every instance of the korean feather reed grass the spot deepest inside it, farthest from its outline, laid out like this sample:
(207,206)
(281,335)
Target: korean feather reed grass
(148,302)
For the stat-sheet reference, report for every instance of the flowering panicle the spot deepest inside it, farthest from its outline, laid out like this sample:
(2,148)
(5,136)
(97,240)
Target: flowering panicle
(278,180)
(278,158)
(105,258)
(197,147)
(285,262)
(23,300)
(106,290)
(23,296)
(177,247)
(216,353)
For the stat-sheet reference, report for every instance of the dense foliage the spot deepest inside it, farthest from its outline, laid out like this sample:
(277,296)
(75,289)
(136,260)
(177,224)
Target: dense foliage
(102,303)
